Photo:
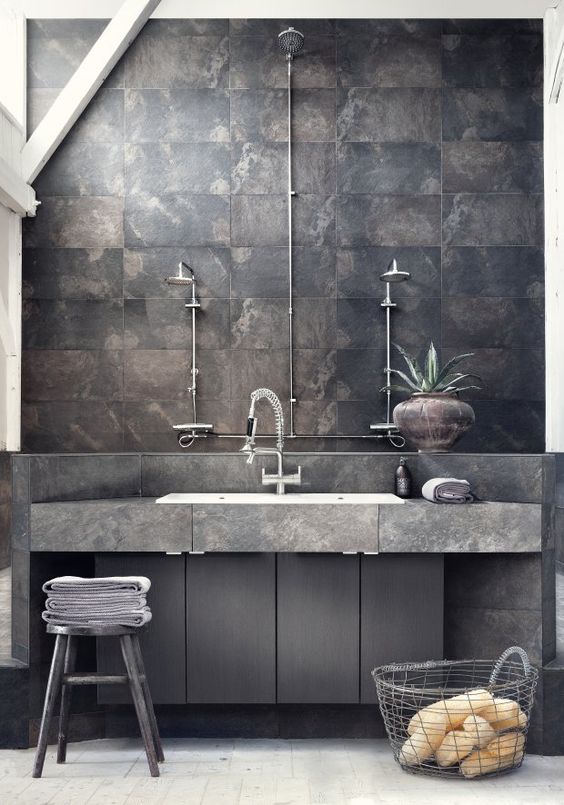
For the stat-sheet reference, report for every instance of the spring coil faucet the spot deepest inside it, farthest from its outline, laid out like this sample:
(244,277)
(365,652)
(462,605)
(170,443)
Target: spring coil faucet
(280,480)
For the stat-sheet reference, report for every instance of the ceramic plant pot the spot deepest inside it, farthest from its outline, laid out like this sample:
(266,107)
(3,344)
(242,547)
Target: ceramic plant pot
(433,422)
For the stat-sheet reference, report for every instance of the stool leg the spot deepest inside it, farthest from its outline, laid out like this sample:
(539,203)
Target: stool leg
(148,698)
(139,702)
(66,694)
(53,686)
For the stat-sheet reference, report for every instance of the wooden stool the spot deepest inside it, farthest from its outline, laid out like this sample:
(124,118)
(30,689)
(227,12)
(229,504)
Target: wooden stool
(62,678)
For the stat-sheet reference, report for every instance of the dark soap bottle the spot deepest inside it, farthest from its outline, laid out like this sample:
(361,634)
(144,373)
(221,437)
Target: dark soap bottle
(403,480)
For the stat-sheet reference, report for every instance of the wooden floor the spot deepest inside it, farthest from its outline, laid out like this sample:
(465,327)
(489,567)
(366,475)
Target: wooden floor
(210,772)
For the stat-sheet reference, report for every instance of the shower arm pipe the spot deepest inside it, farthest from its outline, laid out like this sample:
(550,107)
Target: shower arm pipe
(193,388)
(290,260)
(388,370)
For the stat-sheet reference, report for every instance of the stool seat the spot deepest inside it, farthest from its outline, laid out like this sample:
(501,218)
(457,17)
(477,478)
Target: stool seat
(93,630)
(62,678)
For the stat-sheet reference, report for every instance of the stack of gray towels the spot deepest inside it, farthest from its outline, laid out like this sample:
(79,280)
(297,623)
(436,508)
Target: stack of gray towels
(111,601)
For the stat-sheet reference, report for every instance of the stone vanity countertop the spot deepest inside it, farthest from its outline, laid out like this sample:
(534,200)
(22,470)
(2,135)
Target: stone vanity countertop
(136,525)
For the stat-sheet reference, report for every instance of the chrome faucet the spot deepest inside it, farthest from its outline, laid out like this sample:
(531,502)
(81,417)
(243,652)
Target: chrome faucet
(280,480)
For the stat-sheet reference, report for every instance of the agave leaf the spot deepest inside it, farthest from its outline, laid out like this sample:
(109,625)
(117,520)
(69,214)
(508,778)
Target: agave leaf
(431,368)
(452,380)
(412,364)
(451,364)
(397,388)
(413,386)
(465,388)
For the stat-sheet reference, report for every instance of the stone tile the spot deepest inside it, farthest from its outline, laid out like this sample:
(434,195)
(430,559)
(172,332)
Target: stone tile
(175,220)
(259,115)
(490,167)
(119,525)
(492,477)
(492,26)
(360,373)
(487,632)
(389,221)
(258,168)
(314,271)
(258,323)
(176,168)
(385,114)
(314,168)
(72,273)
(388,168)
(492,219)
(354,417)
(148,425)
(508,426)
(258,368)
(313,115)
(272,27)
(84,477)
(93,222)
(177,115)
(388,61)
(146,269)
(72,324)
(358,271)
(156,374)
(186,27)
(256,62)
(259,221)
(55,51)
(20,479)
(314,220)
(388,27)
(18,528)
(469,322)
(315,375)
(101,122)
(361,323)
(493,271)
(166,324)
(501,581)
(162,61)
(83,169)
(259,271)
(316,417)
(72,375)
(505,374)
(315,323)
(492,114)
(513,60)
(71,426)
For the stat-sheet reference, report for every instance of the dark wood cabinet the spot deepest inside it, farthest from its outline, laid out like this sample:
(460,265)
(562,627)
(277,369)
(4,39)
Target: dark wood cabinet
(318,628)
(163,640)
(401,612)
(231,628)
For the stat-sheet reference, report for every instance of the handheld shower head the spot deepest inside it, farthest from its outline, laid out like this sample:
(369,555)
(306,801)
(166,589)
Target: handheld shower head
(290,42)
(180,278)
(393,274)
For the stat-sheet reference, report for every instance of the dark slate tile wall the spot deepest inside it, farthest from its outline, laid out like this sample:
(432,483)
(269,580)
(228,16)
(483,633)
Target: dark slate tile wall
(420,139)
(5,509)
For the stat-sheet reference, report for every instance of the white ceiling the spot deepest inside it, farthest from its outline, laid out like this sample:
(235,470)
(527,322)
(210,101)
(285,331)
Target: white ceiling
(479,9)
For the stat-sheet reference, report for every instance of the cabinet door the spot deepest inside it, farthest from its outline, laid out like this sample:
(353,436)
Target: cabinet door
(401,613)
(163,640)
(231,628)
(318,628)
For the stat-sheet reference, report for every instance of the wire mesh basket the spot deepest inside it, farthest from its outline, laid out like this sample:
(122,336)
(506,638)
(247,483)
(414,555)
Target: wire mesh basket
(461,719)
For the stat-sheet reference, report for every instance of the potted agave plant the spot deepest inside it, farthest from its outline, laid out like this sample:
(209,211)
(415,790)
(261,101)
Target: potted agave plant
(433,418)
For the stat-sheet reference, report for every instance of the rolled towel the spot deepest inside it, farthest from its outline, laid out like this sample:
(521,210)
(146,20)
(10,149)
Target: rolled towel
(76,585)
(447,490)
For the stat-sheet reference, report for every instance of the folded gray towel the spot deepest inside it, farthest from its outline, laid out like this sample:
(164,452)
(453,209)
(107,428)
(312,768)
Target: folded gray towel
(130,602)
(76,618)
(108,584)
(447,490)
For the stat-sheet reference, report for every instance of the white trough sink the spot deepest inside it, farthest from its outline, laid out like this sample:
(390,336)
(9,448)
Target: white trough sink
(292,498)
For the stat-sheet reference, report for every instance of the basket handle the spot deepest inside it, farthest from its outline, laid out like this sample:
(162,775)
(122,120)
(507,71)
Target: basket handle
(523,656)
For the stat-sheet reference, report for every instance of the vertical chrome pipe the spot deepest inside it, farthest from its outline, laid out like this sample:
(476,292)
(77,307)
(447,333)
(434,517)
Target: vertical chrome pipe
(388,355)
(290,266)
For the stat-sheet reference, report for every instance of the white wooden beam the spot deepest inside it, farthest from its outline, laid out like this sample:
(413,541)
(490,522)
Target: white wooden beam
(555,77)
(83,85)
(10,328)
(14,192)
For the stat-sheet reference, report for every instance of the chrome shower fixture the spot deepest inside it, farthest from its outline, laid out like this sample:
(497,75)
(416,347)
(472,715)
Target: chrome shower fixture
(290,42)
(388,429)
(190,431)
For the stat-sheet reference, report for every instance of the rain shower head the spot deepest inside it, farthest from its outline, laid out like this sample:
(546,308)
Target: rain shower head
(393,274)
(181,278)
(290,42)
